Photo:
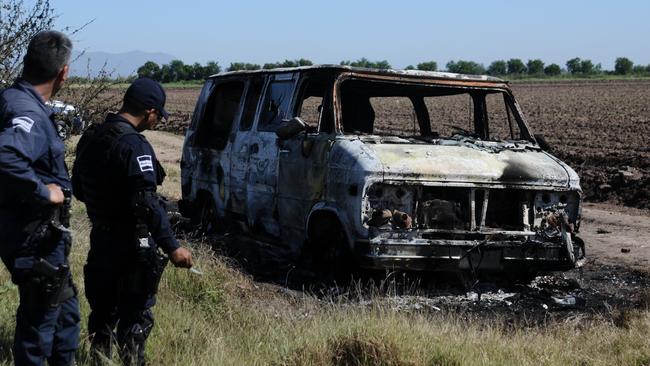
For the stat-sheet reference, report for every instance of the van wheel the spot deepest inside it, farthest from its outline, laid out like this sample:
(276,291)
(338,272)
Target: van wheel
(207,221)
(331,258)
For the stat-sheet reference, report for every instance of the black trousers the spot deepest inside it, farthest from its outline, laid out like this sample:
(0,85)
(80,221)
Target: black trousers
(120,308)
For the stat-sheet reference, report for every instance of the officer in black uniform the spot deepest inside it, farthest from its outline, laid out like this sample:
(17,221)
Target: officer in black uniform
(115,174)
(34,209)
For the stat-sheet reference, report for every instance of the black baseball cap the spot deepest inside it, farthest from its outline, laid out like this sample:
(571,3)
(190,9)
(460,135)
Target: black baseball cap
(147,93)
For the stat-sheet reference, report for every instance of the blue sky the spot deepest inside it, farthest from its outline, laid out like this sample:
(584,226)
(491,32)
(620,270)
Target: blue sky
(402,32)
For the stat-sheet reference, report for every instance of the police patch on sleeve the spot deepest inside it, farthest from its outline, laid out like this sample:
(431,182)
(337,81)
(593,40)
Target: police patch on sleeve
(146,165)
(24,123)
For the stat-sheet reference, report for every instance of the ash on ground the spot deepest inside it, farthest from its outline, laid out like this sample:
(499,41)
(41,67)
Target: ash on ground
(593,291)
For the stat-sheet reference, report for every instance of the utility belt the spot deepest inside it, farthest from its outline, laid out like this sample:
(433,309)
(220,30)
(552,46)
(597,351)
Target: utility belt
(43,283)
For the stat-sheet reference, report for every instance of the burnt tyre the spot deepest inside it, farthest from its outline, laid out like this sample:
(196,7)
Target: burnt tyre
(327,253)
(206,221)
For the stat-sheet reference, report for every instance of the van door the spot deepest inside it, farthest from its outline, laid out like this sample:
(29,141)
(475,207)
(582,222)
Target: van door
(240,152)
(261,202)
(303,158)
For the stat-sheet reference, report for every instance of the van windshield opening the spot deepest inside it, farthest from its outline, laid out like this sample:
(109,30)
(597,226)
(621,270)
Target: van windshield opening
(409,110)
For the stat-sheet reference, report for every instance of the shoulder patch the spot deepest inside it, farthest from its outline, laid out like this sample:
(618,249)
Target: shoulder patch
(25,123)
(146,165)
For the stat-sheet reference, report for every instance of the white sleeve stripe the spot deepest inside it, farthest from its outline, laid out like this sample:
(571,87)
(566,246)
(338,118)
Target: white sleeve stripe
(145,162)
(25,123)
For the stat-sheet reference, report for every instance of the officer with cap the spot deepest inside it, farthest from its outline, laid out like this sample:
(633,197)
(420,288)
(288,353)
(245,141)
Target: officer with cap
(115,174)
(34,207)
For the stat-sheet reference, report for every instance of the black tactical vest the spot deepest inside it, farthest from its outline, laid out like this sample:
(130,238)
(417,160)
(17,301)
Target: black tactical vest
(96,180)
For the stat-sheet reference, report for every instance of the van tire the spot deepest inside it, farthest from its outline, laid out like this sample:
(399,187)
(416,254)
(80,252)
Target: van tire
(207,221)
(330,257)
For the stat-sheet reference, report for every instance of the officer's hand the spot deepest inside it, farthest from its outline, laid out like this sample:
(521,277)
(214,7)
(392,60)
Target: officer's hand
(56,194)
(181,257)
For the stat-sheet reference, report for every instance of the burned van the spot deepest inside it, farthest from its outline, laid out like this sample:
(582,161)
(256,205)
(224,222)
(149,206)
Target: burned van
(381,168)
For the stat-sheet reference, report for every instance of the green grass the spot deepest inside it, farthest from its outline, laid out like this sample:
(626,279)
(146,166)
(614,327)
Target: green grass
(225,318)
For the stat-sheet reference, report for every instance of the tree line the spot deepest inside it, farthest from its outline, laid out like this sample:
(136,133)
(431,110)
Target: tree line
(176,70)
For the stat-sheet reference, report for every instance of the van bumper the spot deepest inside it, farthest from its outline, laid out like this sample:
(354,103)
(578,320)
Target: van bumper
(465,255)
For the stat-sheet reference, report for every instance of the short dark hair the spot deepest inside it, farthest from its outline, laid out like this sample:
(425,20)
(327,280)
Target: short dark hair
(47,53)
(133,108)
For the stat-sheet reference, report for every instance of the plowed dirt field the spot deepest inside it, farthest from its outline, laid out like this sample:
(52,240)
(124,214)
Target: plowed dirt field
(600,128)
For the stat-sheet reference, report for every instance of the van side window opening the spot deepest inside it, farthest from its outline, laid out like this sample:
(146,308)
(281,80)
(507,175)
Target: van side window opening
(313,104)
(250,105)
(220,112)
(276,104)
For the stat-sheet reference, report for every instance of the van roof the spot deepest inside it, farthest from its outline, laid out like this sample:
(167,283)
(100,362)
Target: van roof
(361,70)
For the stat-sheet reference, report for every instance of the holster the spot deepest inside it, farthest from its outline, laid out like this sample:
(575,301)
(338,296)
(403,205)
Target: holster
(43,283)
(149,267)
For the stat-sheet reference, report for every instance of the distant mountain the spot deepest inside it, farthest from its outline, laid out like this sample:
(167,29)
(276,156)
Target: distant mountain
(124,64)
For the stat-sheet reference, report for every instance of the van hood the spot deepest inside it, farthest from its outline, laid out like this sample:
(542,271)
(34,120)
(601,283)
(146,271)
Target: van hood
(489,163)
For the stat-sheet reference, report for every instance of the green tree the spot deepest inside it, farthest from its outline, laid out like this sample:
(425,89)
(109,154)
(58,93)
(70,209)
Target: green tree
(498,67)
(640,69)
(287,63)
(623,66)
(150,70)
(382,65)
(574,66)
(175,71)
(236,66)
(409,67)
(428,66)
(516,66)
(195,71)
(211,68)
(552,70)
(364,62)
(535,67)
(166,74)
(305,62)
(587,67)
(465,67)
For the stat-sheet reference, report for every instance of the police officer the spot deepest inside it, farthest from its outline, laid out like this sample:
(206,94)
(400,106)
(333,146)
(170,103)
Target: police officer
(33,217)
(116,173)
